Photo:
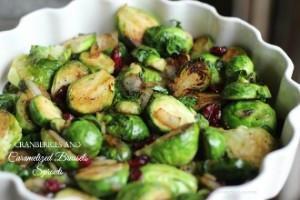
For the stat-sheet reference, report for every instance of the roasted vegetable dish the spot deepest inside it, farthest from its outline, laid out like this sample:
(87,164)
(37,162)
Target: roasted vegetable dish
(146,112)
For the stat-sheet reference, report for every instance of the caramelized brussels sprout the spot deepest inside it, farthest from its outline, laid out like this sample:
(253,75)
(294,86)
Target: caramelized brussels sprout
(231,53)
(240,91)
(114,148)
(251,113)
(52,52)
(239,63)
(175,179)
(140,191)
(103,177)
(232,171)
(67,74)
(87,135)
(149,57)
(43,110)
(80,43)
(249,144)
(178,147)
(97,62)
(96,93)
(128,107)
(202,44)
(10,133)
(166,113)
(127,127)
(193,77)
(168,40)
(214,143)
(132,23)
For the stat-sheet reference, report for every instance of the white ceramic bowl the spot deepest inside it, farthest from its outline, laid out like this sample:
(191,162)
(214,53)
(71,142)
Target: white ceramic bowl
(51,26)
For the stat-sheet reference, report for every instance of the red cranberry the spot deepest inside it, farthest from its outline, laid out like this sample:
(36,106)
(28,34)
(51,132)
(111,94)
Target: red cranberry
(218,51)
(53,185)
(116,56)
(212,112)
(138,161)
(60,97)
(135,174)
(68,116)
(84,160)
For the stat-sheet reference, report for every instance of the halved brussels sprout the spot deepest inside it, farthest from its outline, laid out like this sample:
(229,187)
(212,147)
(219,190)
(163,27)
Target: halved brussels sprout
(59,150)
(249,144)
(132,23)
(177,147)
(10,133)
(214,143)
(239,63)
(8,102)
(67,74)
(202,44)
(251,113)
(80,43)
(240,91)
(231,171)
(91,93)
(71,193)
(231,53)
(193,77)
(151,75)
(42,110)
(103,177)
(52,52)
(149,57)
(166,113)
(175,179)
(87,135)
(128,107)
(127,127)
(143,191)
(168,40)
(105,42)
(97,62)
(114,148)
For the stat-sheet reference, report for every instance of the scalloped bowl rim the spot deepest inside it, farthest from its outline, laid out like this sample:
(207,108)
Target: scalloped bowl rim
(258,188)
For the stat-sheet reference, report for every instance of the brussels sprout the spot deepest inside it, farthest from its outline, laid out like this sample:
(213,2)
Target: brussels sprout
(58,150)
(175,179)
(240,91)
(71,193)
(202,44)
(91,93)
(127,127)
(239,63)
(143,191)
(214,143)
(10,133)
(42,110)
(231,171)
(252,113)
(249,144)
(52,52)
(177,147)
(105,42)
(87,135)
(151,75)
(80,43)
(231,53)
(114,148)
(149,57)
(132,23)
(128,107)
(216,68)
(40,71)
(193,77)
(168,40)
(202,121)
(8,102)
(67,74)
(166,113)
(103,177)
(97,62)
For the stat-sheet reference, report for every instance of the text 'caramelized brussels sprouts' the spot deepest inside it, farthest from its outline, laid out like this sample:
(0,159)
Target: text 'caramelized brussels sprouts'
(147,111)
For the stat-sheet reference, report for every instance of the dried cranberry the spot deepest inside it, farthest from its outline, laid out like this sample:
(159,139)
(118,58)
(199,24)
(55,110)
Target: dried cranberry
(212,112)
(138,161)
(53,185)
(84,160)
(116,56)
(218,51)
(60,97)
(135,174)
(68,116)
